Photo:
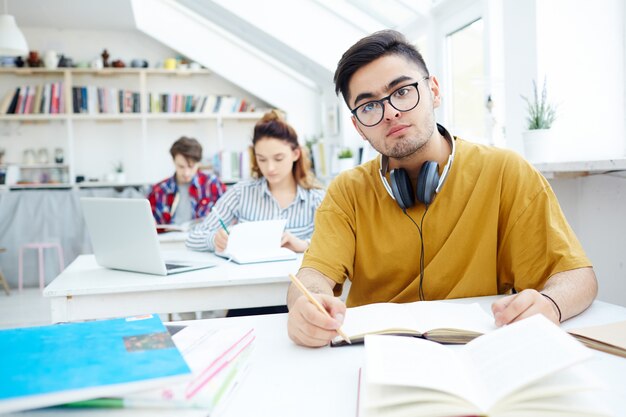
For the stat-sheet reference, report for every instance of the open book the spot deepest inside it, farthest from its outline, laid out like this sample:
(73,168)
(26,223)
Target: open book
(530,367)
(440,321)
(259,241)
(609,338)
(57,364)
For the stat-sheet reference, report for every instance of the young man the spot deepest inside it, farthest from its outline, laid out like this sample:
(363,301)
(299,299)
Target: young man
(435,217)
(189,194)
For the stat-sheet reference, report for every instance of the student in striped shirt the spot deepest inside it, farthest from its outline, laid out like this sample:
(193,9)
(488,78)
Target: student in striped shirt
(283,187)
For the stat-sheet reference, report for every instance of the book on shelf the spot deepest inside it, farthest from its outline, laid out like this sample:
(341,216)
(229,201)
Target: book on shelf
(609,338)
(530,367)
(439,321)
(259,241)
(56,364)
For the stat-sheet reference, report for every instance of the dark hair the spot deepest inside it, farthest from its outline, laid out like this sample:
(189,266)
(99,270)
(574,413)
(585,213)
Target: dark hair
(272,125)
(370,48)
(187,147)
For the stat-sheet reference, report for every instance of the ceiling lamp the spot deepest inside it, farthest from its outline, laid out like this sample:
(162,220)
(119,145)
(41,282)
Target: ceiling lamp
(12,41)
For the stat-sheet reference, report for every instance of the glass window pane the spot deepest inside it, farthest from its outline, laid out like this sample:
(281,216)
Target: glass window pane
(467,89)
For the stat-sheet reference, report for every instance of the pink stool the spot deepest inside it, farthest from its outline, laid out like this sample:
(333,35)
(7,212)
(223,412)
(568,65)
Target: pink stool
(40,246)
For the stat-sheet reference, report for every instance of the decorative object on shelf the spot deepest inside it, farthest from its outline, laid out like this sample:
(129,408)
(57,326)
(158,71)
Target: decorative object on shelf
(59,155)
(346,159)
(28,157)
(34,60)
(139,63)
(51,59)
(97,63)
(169,64)
(65,62)
(120,177)
(105,58)
(43,157)
(19,62)
(7,61)
(12,41)
(539,143)
(118,63)
(195,66)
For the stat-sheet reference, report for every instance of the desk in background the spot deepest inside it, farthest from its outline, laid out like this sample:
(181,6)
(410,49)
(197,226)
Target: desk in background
(85,290)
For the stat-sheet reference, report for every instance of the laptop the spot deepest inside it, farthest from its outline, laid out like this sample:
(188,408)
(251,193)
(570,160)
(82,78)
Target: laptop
(123,235)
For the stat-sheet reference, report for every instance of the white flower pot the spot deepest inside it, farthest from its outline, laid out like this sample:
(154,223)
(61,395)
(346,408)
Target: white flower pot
(539,145)
(345,164)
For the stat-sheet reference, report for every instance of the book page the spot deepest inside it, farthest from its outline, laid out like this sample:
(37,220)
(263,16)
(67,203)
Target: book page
(515,355)
(406,361)
(260,239)
(417,317)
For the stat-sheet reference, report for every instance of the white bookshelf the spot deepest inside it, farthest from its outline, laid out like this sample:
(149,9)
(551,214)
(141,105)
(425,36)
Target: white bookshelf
(139,140)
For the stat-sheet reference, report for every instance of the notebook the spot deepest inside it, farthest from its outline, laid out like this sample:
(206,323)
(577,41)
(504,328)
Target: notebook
(259,241)
(123,236)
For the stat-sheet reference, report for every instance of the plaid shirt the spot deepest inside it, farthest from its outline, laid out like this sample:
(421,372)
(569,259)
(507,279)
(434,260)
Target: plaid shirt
(204,191)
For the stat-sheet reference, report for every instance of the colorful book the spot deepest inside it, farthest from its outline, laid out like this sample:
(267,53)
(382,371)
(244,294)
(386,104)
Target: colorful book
(57,364)
(218,359)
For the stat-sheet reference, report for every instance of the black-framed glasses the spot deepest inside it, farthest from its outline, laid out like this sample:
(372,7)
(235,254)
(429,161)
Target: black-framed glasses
(403,99)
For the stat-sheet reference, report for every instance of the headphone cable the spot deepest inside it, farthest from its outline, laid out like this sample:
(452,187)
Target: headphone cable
(419,229)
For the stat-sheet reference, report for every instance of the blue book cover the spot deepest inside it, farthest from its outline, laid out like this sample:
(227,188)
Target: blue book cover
(56,364)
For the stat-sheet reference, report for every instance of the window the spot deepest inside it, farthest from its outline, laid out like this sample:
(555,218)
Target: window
(466,92)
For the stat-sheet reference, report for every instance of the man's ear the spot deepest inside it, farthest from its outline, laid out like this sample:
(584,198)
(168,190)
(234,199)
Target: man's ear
(357,127)
(435,92)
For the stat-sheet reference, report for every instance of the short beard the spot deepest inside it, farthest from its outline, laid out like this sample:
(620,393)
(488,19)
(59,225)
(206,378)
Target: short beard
(409,146)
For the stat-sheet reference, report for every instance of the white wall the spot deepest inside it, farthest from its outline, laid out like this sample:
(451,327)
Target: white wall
(579,47)
(594,206)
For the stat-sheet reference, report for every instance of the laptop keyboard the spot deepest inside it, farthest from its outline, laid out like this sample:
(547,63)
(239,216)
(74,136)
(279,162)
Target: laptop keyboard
(171,267)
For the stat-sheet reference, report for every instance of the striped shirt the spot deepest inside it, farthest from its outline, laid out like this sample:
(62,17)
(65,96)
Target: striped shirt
(251,200)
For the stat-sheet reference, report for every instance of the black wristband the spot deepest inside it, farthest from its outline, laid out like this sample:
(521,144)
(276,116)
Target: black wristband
(555,304)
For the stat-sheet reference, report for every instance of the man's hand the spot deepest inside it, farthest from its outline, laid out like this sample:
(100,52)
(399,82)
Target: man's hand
(220,240)
(307,326)
(524,304)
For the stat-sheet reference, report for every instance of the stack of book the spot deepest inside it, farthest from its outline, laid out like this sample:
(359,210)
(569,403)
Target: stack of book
(128,362)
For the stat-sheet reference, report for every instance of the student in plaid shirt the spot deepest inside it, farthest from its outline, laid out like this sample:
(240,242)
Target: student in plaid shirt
(189,194)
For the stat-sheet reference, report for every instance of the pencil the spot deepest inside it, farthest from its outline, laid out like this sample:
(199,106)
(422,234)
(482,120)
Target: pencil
(317,304)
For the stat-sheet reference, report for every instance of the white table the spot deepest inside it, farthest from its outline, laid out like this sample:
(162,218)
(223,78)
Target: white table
(85,290)
(289,380)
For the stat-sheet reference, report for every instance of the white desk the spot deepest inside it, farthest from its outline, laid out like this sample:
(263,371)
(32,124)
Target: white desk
(85,290)
(289,380)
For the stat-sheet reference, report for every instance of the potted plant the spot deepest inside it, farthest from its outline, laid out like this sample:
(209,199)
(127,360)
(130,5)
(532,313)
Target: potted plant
(120,177)
(346,159)
(538,141)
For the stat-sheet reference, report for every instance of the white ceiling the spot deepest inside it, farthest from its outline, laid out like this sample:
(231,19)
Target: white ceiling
(72,14)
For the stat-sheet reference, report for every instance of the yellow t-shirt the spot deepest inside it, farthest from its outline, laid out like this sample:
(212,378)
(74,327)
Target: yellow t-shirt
(496,224)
